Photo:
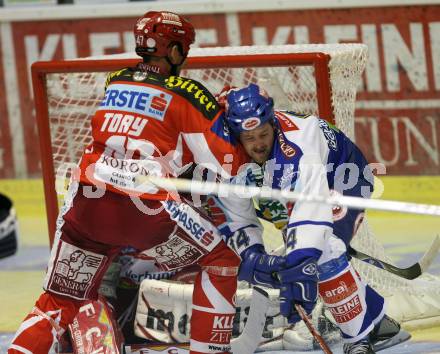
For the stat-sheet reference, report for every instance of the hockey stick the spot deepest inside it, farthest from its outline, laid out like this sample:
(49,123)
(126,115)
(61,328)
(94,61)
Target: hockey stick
(248,341)
(324,346)
(242,191)
(410,272)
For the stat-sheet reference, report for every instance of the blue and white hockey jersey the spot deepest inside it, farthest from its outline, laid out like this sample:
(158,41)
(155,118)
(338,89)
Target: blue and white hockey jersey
(309,156)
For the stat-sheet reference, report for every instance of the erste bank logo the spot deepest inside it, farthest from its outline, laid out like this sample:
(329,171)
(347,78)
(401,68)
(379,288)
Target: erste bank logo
(141,100)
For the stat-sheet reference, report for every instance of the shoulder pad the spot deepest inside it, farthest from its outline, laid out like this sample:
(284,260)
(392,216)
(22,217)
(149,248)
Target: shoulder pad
(296,114)
(197,94)
(324,123)
(330,133)
(122,73)
(285,121)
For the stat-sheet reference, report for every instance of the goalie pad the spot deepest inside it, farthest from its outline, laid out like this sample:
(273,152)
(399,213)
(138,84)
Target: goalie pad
(164,311)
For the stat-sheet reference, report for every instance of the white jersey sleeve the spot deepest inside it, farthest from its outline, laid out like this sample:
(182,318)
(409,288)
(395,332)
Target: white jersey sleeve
(242,228)
(310,224)
(235,216)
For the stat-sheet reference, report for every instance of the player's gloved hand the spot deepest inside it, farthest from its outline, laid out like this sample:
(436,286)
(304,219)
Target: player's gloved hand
(259,268)
(299,282)
(222,96)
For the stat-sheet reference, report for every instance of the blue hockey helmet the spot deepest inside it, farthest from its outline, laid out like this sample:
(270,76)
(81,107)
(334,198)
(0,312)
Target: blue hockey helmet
(248,108)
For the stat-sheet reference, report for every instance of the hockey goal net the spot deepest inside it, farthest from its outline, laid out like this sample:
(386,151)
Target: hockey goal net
(314,79)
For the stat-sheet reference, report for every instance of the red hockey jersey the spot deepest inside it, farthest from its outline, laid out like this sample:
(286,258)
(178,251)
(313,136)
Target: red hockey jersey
(151,125)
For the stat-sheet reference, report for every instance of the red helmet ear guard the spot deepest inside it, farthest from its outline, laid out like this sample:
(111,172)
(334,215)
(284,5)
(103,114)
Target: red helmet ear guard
(155,31)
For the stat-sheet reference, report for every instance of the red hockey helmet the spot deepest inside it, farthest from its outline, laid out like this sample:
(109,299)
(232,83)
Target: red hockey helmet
(155,31)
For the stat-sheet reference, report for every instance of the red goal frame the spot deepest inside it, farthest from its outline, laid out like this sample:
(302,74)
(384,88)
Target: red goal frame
(320,62)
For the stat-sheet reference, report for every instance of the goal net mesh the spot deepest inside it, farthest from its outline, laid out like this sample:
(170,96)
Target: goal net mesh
(74,97)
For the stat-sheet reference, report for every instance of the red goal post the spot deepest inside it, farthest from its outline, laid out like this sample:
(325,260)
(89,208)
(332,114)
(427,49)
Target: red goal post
(320,79)
(203,61)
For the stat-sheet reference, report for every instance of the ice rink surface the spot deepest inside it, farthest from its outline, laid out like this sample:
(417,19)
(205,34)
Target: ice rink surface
(410,347)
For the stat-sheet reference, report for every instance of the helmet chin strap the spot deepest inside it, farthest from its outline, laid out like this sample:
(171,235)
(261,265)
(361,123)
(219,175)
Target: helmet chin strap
(175,68)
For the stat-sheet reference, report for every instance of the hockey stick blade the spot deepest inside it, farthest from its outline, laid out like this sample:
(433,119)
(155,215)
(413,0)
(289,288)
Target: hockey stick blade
(411,272)
(248,341)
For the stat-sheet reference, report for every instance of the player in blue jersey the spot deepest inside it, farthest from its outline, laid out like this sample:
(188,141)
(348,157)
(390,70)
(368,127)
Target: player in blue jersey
(306,154)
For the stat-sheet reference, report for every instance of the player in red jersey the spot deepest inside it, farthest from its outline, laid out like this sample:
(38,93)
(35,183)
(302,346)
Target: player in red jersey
(150,122)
